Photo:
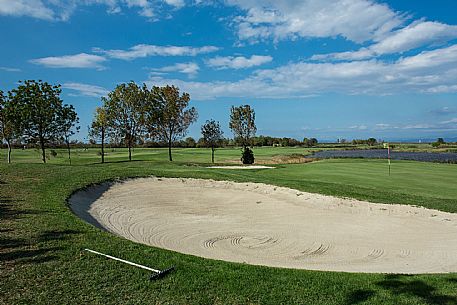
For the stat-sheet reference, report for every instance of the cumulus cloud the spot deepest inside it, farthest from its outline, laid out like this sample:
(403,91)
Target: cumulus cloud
(175,3)
(145,50)
(416,35)
(61,10)
(419,73)
(82,60)
(239,62)
(31,8)
(86,89)
(190,68)
(355,20)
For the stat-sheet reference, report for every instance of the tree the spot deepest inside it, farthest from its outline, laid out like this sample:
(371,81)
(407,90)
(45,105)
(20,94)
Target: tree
(8,130)
(310,142)
(99,128)
(168,115)
(125,110)
(38,112)
(189,142)
(371,141)
(242,123)
(212,135)
(68,120)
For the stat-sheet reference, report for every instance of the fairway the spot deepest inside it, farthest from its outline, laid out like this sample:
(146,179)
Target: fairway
(43,241)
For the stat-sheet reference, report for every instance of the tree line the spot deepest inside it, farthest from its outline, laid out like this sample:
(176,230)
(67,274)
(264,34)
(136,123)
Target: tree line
(130,115)
(34,114)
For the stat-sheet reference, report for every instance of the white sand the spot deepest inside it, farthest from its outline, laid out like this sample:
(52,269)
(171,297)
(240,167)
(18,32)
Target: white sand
(274,226)
(242,167)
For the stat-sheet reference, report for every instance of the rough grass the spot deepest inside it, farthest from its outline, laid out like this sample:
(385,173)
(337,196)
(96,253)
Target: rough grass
(41,241)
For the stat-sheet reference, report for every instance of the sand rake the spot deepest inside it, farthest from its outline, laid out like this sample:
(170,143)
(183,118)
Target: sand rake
(156,274)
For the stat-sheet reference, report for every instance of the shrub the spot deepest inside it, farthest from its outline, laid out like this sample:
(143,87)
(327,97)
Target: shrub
(247,156)
(53,153)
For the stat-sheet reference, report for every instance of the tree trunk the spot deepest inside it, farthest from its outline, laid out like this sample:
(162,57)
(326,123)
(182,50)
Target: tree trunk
(212,154)
(169,150)
(43,151)
(130,151)
(68,149)
(103,145)
(9,151)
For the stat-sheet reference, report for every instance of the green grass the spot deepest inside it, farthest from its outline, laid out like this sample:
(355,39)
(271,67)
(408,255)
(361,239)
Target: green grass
(41,241)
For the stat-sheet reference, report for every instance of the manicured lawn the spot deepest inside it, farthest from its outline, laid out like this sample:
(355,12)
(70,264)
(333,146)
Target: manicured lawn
(41,241)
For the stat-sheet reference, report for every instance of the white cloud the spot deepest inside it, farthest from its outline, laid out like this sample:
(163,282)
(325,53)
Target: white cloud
(359,127)
(239,62)
(451,121)
(31,8)
(417,34)
(355,20)
(145,50)
(419,73)
(61,10)
(9,69)
(190,68)
(81,60)
(175,3)
(85,89)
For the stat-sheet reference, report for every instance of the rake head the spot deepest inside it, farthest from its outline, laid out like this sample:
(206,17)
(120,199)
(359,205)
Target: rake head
(160,274)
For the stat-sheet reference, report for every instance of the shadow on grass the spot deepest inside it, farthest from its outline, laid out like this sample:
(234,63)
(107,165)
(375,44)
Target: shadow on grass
(359,296)
(56,235)
(15,251)
(8,211)
(29,256)
(408,286)
(429,294)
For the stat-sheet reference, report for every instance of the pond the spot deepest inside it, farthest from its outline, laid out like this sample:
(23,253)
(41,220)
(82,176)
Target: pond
(382,154)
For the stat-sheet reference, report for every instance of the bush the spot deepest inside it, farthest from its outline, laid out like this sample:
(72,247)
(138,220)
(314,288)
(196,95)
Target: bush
(53,153)
(247,156)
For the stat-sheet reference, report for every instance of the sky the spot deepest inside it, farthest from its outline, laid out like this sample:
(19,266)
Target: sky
(327,69)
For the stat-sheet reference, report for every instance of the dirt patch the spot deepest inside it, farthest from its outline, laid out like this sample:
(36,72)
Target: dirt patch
(267,225)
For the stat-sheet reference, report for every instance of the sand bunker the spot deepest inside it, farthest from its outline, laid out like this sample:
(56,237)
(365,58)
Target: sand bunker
(273,226)
(242,167)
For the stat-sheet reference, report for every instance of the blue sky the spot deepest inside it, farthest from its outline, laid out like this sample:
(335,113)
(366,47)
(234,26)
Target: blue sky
(312,68)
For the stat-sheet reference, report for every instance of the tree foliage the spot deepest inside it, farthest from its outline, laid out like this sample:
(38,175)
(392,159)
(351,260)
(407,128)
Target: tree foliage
(67,122)
(8,128)
(39,112)
(99,128)
(310,142)
(242,124)
(168,115)
(212,135)
(247,156)
(125,110)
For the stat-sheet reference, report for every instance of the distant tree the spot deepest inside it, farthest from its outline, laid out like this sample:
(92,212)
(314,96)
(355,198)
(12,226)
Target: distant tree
(99,128)
(39,112)
(168,115)
(190,142)
(212,135)
(438,142)
(242,124)
(8,128)
(68,119)
(371,141)
(247,156)
(125,110)
(310,142)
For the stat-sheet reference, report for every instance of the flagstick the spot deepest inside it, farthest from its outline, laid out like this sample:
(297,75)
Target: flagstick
(387,145)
